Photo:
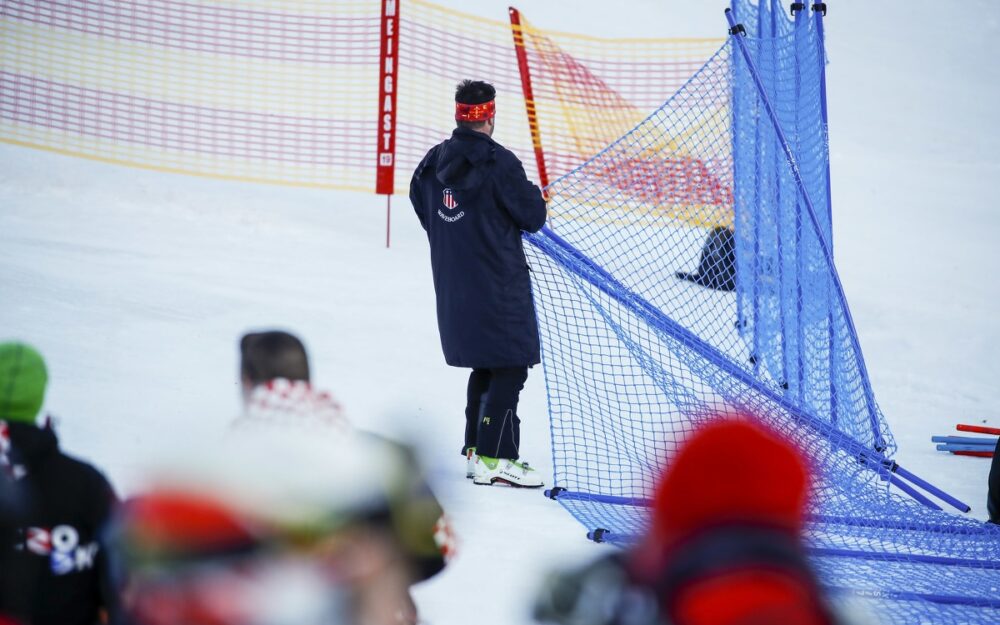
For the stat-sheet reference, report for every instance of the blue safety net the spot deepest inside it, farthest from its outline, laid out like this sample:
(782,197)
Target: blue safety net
(685,272)
(780,302)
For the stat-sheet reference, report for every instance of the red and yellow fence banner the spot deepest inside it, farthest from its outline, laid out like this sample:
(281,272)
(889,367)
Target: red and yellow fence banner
(284,91)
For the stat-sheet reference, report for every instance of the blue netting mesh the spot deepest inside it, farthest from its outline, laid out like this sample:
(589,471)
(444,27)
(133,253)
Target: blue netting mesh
(633,352)
(784,297)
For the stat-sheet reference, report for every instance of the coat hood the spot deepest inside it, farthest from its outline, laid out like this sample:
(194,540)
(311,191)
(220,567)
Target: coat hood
(463,159)
(30,445)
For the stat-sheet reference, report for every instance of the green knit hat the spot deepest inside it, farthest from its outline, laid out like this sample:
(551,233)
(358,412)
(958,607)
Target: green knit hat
(22,382)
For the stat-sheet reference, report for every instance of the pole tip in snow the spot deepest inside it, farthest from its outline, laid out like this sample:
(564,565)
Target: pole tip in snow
(554,492)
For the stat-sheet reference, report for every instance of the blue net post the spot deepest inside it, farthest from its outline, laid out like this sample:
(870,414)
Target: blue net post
(738,33)
(800,340)
(819,12)
(780,217)
(737,120)
(759,268)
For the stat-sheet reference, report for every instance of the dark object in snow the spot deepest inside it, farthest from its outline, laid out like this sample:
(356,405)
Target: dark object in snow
(717,266)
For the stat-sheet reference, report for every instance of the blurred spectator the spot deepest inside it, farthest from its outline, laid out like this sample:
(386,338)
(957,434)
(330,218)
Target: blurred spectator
(724,547)
(245,531)
(9,521)
(274,374)
(279,397)
(55,566)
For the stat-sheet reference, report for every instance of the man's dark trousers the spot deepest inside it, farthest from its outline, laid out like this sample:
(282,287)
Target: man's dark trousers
(491,422)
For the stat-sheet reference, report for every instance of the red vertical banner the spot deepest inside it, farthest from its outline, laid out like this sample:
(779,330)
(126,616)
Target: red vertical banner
(387,87)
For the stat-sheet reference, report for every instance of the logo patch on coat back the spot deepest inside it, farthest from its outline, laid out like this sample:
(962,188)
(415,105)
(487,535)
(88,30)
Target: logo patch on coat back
(450,203)
(62,546)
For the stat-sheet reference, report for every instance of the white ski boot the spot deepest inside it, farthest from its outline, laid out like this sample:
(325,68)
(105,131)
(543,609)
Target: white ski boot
(514,473)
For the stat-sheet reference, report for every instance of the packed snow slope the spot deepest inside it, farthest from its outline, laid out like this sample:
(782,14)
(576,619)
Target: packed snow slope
(136,286)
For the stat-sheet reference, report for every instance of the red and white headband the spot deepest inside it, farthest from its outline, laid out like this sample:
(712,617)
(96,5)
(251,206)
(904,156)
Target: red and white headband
(475,112)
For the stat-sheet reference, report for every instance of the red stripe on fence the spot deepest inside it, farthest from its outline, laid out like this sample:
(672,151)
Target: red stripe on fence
(210,29)
(183,127)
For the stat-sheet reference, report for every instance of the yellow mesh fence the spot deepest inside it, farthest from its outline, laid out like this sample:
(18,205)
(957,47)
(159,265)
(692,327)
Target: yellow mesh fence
(588,92)
(276,92)
(286,91)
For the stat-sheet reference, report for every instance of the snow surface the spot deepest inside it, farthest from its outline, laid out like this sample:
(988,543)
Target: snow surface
(136,285)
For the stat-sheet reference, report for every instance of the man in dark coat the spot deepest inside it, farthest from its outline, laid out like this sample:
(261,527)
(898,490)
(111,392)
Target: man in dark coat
(473,198)
(56,567)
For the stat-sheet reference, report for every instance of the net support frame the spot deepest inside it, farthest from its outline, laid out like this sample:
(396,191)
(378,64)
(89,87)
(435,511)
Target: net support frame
(738,33)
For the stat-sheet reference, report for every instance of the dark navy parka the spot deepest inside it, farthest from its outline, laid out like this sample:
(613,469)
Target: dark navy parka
(473,198)
(57,571)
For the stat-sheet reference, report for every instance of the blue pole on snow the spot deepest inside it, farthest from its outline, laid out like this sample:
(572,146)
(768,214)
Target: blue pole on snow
(912,492)
(965,447)
(992,531)
(965,440)
(937,492)
(736,31)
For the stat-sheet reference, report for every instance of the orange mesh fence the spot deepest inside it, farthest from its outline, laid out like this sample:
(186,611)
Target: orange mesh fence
(588,92)
(290,91)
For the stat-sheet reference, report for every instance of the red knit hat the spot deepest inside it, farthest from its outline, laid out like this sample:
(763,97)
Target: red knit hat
(731,472)
(727,518)
(166,524)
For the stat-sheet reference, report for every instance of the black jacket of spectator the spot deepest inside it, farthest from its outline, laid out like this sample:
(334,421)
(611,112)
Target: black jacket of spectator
(474,199)
(57,567)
